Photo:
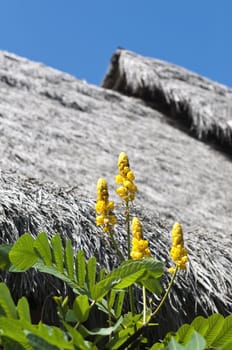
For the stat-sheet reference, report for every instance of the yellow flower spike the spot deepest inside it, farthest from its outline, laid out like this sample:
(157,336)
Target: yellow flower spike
(136,229)
(178,252)
(139,245)
(125,178)
(104,208)
(102,190)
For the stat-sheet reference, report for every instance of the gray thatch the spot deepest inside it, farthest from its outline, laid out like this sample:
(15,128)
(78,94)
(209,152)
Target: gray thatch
(29,206)
(205,107)
(57,129)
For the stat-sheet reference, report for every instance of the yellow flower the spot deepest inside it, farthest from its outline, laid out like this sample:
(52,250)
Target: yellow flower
(100,206)
(122,192)
(139,245)
(130,175)
(125,178)
(103,207)
(136,228)
(178,252)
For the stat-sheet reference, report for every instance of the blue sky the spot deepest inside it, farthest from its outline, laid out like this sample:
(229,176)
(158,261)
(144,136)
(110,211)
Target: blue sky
(79,37)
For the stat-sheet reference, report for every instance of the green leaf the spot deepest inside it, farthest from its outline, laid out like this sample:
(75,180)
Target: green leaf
(106,331)
(22,254)
(111,298)
(24,309)
(69,259)
(70,316)
(10,344)
(58,252)
(119,303)
(200,325)
(91,274)
(154,268)
(81,308)
(129,272)
(78,339)
(80,268)
(225,336)
(128,277)
(215,322)
(152,285)
(227,346)
(4,256)
(6,302)
(39,343)
(132,271)
(157,346)
(42,247)
(102,274)
(103,287)
(185,333)
(52,270)
(173,345)
(14,330)
(53,335)
(197,342)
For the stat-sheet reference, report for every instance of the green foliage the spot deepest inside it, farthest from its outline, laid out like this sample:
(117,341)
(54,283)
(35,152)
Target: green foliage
(23,255)
(80,275)
(104,290)
(23,309)
(93,288)
(81,308)
(196,342)
(17,331)
(99,291)
(4,256)
(7,307)
(215,330)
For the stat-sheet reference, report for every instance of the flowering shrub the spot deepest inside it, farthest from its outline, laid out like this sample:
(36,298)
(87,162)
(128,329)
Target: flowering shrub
(102,290)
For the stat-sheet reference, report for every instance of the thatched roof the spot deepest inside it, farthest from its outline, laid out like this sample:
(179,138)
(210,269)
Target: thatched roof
(202,106)
(29,206)
(57,129)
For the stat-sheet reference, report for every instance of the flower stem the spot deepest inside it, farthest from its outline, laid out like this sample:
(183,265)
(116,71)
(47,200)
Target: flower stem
(166,294)
(128,229)
(140,331)
(132,302)
(130,289)
(114,243)
(144,306)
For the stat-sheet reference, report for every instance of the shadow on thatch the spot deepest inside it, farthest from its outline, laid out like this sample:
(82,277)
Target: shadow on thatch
(200,105)
(28,206)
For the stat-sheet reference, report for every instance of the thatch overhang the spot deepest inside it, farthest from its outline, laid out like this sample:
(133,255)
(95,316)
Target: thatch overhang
(199,104)
(27,205)
(57,129)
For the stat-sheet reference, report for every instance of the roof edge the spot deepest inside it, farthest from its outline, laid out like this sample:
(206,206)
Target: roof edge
(199,105)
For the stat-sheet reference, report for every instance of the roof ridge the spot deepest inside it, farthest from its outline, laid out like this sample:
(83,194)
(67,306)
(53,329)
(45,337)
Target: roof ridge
(202,106)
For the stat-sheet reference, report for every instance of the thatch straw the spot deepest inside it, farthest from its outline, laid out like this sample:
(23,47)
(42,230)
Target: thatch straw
(203,106)
(28,206)
(56,128)
(45,135)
